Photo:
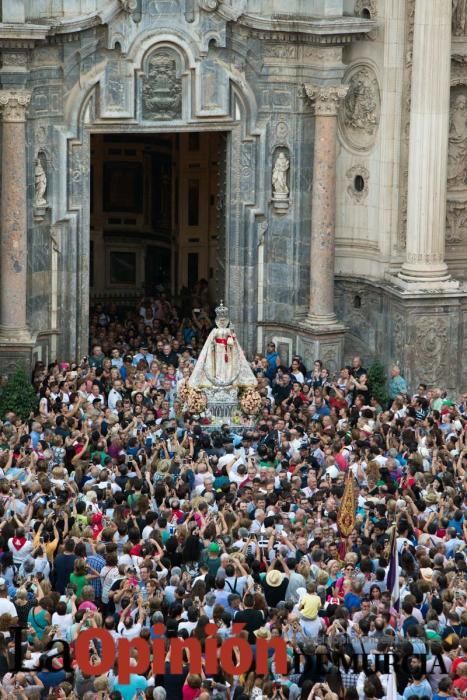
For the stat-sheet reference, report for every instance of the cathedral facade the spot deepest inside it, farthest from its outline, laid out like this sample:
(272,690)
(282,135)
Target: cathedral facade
(307,157)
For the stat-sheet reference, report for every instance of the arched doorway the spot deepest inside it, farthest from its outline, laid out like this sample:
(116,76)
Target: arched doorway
(231,264)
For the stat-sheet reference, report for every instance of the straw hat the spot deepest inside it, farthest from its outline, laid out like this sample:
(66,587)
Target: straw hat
(263,633)
(427,574)
(274,578)
(431,497)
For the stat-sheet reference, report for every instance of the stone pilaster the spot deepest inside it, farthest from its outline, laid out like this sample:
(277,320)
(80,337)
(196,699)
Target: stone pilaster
(15,338)
(424,266)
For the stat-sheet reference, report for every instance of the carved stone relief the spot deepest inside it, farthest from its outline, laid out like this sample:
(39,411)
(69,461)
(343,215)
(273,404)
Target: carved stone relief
(459,17)
(430,342)
(398,337)
(282,130)
(405,132)
(279,51)
(358,185)
(456,221)
(359,118)
(457,150)
(162,87)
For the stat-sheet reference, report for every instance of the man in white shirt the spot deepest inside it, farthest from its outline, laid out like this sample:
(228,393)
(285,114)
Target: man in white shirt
(115,395)
(6,606)
(257,523)
(19,546)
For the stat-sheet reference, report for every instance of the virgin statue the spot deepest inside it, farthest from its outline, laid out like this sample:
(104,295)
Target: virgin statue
(221,362)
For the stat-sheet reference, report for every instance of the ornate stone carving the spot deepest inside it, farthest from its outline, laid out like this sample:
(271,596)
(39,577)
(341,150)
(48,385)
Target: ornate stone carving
(430,340)
(40,184)
(279,51)
(360,116)
(362,5)
(128,6)
(162,88)
(326,98)
(457,149)
(282,130)
(405,131)
(398,336)
(456,221)
(358,171)
(459,17)
(14,59)
(280,186)
(14,104)
(209,5)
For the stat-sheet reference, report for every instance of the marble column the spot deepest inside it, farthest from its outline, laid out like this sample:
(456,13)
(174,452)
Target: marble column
(326,101)
(424,265)
(13,236)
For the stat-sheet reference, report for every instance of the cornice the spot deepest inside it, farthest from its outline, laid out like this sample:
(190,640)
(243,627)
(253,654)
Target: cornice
(340,30)
(21,36)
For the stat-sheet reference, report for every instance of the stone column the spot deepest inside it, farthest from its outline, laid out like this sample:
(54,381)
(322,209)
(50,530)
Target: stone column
(326,101)
(15,338)
(424,265)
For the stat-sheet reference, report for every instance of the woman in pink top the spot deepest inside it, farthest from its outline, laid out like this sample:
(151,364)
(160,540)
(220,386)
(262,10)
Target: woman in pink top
(192,687)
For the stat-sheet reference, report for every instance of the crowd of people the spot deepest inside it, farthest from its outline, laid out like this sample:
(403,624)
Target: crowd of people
(120,510)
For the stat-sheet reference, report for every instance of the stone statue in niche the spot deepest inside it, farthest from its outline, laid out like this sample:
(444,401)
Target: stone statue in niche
(459,12)
(279,176)
(162,89)
(457,152)
(280,188)
(40,184)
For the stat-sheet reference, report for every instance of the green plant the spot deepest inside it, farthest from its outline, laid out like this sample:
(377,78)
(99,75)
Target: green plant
(377,383)
(17,394)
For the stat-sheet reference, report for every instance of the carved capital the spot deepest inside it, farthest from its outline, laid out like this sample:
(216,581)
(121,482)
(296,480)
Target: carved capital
(326,98)
(14,104)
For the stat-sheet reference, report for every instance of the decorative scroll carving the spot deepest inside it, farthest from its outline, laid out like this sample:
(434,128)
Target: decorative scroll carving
(456,221)
(358,171)
(162,88)
(362,106)
(362,5)
(459,17)
(209,5)
(457,150)
(326,98)
(14,104)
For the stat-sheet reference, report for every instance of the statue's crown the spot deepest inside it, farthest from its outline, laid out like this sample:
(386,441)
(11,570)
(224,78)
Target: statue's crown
(222,311)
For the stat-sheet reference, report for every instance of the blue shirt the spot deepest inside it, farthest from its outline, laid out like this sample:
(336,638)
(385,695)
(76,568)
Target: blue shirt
(397,385)
(136,684)
(421,689)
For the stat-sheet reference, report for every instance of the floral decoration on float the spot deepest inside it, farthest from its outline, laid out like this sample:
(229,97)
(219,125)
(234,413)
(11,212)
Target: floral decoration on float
(250,401)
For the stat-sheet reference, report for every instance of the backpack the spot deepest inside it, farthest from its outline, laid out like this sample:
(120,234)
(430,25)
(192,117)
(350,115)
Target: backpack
(233,589)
